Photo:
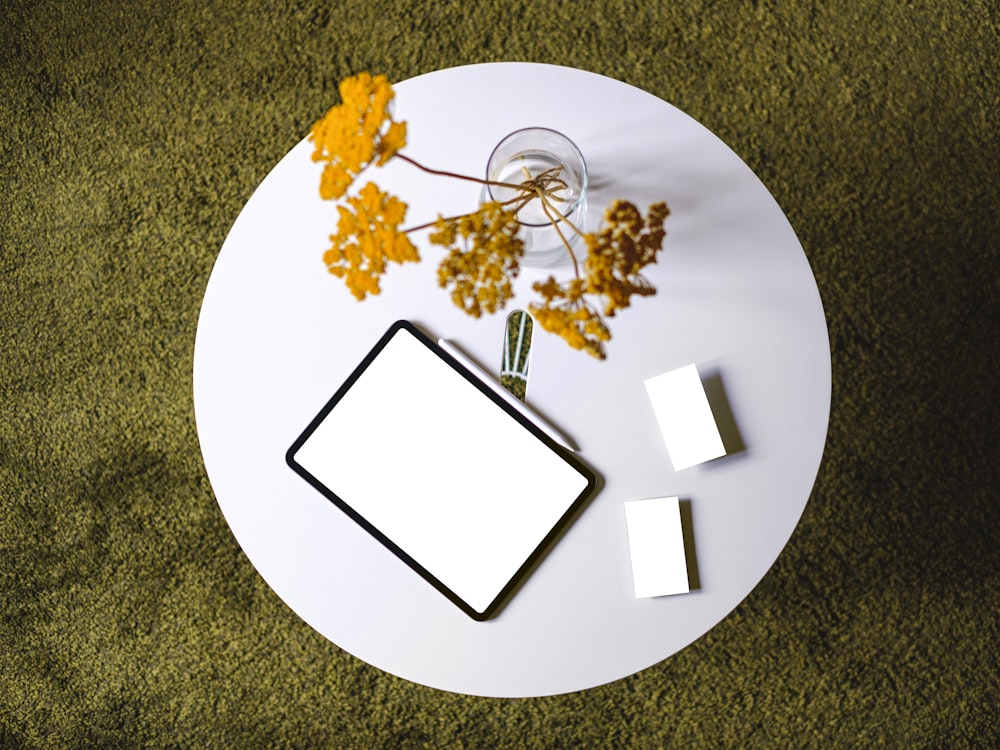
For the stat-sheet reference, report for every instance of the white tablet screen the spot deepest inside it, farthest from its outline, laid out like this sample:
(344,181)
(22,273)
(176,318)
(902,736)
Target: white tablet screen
(434,464)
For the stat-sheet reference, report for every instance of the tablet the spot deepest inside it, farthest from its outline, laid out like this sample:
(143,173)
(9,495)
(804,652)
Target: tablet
(456,482)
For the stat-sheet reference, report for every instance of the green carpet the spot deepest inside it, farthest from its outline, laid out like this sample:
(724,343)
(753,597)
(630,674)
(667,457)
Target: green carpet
(132,133)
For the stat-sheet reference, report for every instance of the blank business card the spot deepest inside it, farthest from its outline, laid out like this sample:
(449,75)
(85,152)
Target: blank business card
(656,546)
(685,417)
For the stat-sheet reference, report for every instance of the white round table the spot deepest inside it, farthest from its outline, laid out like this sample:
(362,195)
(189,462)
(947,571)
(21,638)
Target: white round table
(277,335)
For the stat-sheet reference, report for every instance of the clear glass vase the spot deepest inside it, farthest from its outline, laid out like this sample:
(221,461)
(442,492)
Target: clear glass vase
(546,159)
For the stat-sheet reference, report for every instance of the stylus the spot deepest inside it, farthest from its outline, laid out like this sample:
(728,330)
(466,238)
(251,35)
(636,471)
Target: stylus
(495,386)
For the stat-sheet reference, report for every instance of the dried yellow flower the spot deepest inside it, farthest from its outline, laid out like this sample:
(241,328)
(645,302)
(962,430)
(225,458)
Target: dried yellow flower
(392,141)
(367,238)
(356,133)
(565,312)
(615,257)
(617,254)
(483,248)
(483,257)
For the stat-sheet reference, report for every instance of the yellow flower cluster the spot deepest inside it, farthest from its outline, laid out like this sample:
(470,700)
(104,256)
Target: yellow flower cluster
(615,257)
(355,133)
(565,312)
(483,257)
(483,248)
(367,237)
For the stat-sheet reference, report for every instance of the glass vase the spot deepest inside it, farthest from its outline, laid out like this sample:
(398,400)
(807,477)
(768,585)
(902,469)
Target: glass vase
(529,163)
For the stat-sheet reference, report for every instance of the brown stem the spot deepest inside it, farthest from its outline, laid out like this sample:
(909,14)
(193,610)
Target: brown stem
(561,216)
(520,201)
(546,207)
(456,175)
(432,223)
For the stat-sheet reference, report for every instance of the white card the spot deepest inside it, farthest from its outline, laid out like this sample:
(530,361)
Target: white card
(685,417)
(656,545)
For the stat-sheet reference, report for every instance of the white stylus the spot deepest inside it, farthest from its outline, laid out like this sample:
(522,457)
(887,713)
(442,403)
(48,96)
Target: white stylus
(507,396)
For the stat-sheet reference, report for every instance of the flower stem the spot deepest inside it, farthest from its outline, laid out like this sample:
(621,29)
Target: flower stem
(445,173)
(549,210)
(560,215)
(520,200)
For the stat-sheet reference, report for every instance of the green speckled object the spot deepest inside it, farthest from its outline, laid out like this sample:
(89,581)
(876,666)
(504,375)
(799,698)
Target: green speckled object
(516,353)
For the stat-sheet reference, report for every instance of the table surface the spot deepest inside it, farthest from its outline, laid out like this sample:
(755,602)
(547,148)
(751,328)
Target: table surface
(277,335)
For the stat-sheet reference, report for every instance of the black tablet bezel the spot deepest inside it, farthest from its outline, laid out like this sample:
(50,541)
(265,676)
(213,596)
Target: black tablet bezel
(569,457)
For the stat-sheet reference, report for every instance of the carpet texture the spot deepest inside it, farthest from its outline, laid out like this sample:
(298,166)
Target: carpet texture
(131,135)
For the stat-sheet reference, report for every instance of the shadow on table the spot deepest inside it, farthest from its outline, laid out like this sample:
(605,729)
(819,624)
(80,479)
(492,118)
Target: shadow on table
(715,391)
(550,541)
(691,557)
